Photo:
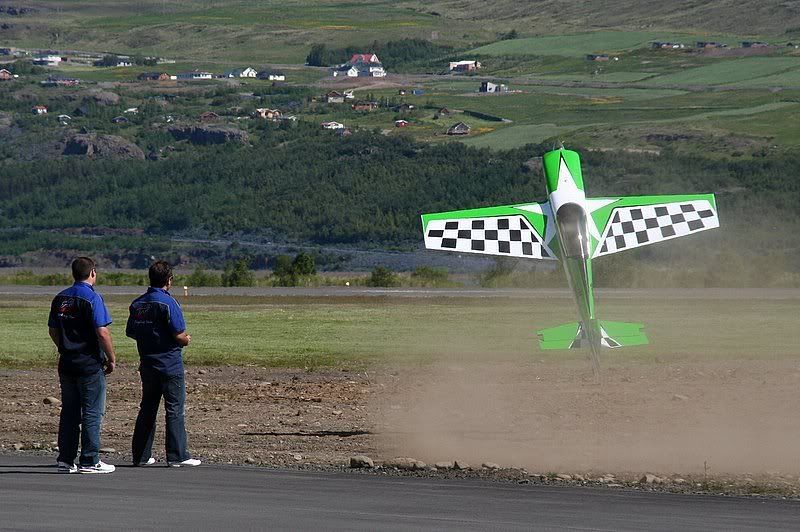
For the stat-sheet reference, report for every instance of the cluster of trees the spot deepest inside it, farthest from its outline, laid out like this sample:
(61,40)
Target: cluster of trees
(304,184)
(393,54)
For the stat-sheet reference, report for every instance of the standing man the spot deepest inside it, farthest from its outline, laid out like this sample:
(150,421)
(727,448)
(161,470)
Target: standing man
(78,325)
(156,323)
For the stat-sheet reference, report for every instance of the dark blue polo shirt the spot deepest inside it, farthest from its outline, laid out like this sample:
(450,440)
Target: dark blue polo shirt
(77,312)
(155,318)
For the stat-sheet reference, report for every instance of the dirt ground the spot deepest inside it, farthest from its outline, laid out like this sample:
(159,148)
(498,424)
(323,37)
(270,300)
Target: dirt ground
(723,427)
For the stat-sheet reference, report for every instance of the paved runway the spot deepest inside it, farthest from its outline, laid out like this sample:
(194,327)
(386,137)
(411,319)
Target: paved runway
(34,497)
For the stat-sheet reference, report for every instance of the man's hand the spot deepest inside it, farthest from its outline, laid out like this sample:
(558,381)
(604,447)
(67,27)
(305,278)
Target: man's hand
(107,345)
(183,338)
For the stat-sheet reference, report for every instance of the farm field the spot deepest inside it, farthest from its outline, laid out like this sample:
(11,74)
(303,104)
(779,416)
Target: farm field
(580,44)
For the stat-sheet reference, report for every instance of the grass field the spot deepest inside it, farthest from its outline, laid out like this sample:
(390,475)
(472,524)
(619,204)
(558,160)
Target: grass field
(580,44)
(359,332)
(780,71)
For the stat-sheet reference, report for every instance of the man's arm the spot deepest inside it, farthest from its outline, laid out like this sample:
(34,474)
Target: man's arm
(55,335)
(107,345)
(183,338)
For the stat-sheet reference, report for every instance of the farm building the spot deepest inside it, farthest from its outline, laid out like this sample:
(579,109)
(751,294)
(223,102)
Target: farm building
(153,76)
(332,125)
(5,75)
(459,129)
(755,44)
(194,75)
(349,94)
(47,60)
(488,86)
(344,70)
(666,45)
(464,66)
(267,114)
(360,65)
(365,106)
(271,75)
(208,116)
(247,72)
(120,120)
(710,44)
(401,123)
(334,97)
(59,81)
(597,57)
(39,109)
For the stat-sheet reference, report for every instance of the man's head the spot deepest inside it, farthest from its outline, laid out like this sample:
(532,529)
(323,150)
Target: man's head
(84,269)
(160,274)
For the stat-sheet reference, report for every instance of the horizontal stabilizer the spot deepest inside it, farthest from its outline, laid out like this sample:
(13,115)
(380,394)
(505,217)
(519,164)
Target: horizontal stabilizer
(622,334)
(613,334)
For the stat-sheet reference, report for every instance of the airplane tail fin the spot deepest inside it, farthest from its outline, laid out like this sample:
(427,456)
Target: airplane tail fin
(613,334)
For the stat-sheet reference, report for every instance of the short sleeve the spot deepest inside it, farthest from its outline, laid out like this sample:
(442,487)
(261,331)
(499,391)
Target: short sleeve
(100,315)
(176,322)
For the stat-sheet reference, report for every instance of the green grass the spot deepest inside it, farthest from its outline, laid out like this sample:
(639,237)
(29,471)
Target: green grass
(735,71)
(312,332)
(580,44)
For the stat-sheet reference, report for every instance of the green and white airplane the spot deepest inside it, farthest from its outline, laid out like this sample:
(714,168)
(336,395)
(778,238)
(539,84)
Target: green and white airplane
(574,229)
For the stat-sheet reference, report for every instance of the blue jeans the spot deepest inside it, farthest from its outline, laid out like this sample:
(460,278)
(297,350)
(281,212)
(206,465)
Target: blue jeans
(83,404)
(173,387)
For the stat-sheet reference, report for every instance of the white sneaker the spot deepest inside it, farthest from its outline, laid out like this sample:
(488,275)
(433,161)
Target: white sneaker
(99,467)
(150,461)
(189,462)
(64,467)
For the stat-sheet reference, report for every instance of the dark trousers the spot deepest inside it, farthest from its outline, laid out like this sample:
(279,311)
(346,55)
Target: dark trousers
(83,404)
(173,388)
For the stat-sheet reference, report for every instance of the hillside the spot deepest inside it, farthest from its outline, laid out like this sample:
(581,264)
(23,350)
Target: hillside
(280,32)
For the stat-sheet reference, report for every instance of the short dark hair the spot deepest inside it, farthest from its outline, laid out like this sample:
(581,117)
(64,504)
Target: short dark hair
(160,272)
(82,268)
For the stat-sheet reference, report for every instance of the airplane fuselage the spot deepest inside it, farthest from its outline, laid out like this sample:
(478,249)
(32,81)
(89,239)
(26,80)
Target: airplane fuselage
(569,207)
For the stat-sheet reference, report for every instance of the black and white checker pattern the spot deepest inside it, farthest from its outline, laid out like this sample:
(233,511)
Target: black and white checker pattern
(511,236)
(632,227)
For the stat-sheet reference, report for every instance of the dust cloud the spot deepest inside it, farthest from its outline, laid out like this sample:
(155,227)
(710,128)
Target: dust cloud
(547,416)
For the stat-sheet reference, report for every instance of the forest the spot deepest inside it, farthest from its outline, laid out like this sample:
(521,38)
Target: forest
(304,184)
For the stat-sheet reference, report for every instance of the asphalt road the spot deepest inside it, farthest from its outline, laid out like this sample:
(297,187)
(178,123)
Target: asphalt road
(34,496)
(360,291)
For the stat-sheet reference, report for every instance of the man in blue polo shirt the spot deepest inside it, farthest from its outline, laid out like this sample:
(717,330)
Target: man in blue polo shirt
(78,325)
(156,323)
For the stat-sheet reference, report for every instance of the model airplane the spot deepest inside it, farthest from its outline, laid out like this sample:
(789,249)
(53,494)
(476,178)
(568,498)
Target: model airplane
(574,229)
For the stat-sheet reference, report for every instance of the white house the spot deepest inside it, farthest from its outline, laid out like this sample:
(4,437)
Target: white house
(332,125)
(464,66)
(47,60)
(241,73)
(349,94)
(271,75)
(488,86)
(344,70)
(39,110)
(123,63)
(194,74)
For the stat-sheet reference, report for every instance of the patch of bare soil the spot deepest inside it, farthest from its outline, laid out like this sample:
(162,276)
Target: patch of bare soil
(238,415)
(712,427)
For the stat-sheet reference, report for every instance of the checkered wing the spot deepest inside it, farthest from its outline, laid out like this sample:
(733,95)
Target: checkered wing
(505,235)
(632,226)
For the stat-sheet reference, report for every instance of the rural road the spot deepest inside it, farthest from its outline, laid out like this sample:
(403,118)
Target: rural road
(360,291)
(34,497)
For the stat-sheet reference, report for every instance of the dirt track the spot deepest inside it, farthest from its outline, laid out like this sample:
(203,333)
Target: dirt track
(733,423)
